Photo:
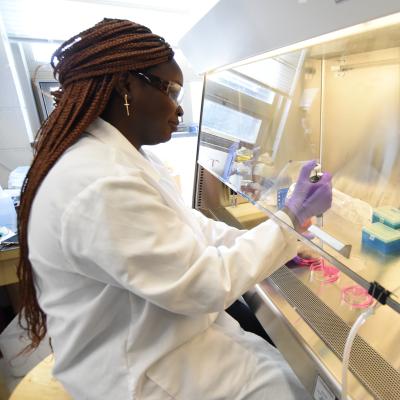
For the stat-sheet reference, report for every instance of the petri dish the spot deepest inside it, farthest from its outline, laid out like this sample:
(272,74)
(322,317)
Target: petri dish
(323,272)
(356,297)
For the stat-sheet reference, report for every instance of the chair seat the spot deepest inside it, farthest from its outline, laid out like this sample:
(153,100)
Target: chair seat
(39,384)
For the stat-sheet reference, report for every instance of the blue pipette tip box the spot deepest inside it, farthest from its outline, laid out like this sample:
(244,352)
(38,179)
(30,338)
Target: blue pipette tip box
(387,215)
(381,238)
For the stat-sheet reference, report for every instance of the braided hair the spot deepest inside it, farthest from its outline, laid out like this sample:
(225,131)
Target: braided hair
(87,66)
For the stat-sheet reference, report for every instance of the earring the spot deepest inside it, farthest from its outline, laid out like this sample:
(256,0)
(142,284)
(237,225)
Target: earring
(126,104)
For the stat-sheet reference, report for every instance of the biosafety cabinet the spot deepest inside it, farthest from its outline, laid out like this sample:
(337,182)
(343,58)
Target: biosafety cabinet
(288,81)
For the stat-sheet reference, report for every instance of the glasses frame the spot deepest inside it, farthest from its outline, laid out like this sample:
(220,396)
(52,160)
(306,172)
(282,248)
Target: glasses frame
(162,85)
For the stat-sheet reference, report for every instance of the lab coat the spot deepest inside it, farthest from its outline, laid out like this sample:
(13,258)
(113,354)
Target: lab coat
(134,283)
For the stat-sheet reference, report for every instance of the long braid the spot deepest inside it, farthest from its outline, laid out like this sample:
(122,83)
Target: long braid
(88,67)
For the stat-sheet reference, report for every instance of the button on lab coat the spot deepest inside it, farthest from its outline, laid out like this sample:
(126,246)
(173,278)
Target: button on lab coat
(134,284)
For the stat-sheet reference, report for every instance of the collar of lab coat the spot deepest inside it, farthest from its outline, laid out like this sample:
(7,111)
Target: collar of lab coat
(108,134)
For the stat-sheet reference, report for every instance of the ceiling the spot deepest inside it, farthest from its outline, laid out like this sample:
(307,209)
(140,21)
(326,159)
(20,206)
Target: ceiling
(56,20)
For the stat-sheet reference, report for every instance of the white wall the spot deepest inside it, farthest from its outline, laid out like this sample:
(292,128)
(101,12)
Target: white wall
(15,129)
(179,155)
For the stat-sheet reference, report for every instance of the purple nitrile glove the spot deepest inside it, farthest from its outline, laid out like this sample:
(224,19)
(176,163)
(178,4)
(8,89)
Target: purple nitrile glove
(310,199)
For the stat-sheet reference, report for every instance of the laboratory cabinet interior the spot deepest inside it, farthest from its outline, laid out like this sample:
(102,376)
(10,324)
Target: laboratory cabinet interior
(336,101)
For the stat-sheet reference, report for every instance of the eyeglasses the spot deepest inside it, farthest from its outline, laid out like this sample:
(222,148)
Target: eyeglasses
(172,89)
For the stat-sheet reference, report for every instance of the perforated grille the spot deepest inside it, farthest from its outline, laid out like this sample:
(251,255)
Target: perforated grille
(376,374)
(199,190)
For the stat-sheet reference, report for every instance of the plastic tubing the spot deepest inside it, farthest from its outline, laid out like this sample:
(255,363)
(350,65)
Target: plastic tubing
(349,343)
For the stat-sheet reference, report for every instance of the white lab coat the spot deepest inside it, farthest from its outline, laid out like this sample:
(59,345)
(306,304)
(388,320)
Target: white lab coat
(134,284)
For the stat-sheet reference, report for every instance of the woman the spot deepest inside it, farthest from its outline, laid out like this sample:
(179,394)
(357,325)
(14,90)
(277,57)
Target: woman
(130,284)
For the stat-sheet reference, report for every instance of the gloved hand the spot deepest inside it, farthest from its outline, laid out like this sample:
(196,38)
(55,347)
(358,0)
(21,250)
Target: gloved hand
(309,199)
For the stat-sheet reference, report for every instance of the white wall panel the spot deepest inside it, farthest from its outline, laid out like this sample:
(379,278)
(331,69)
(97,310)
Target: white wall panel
(12,128)
(10,159)
(8,97)
(14,134)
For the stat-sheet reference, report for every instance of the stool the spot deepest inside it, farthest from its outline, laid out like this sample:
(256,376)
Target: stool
(39,384)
